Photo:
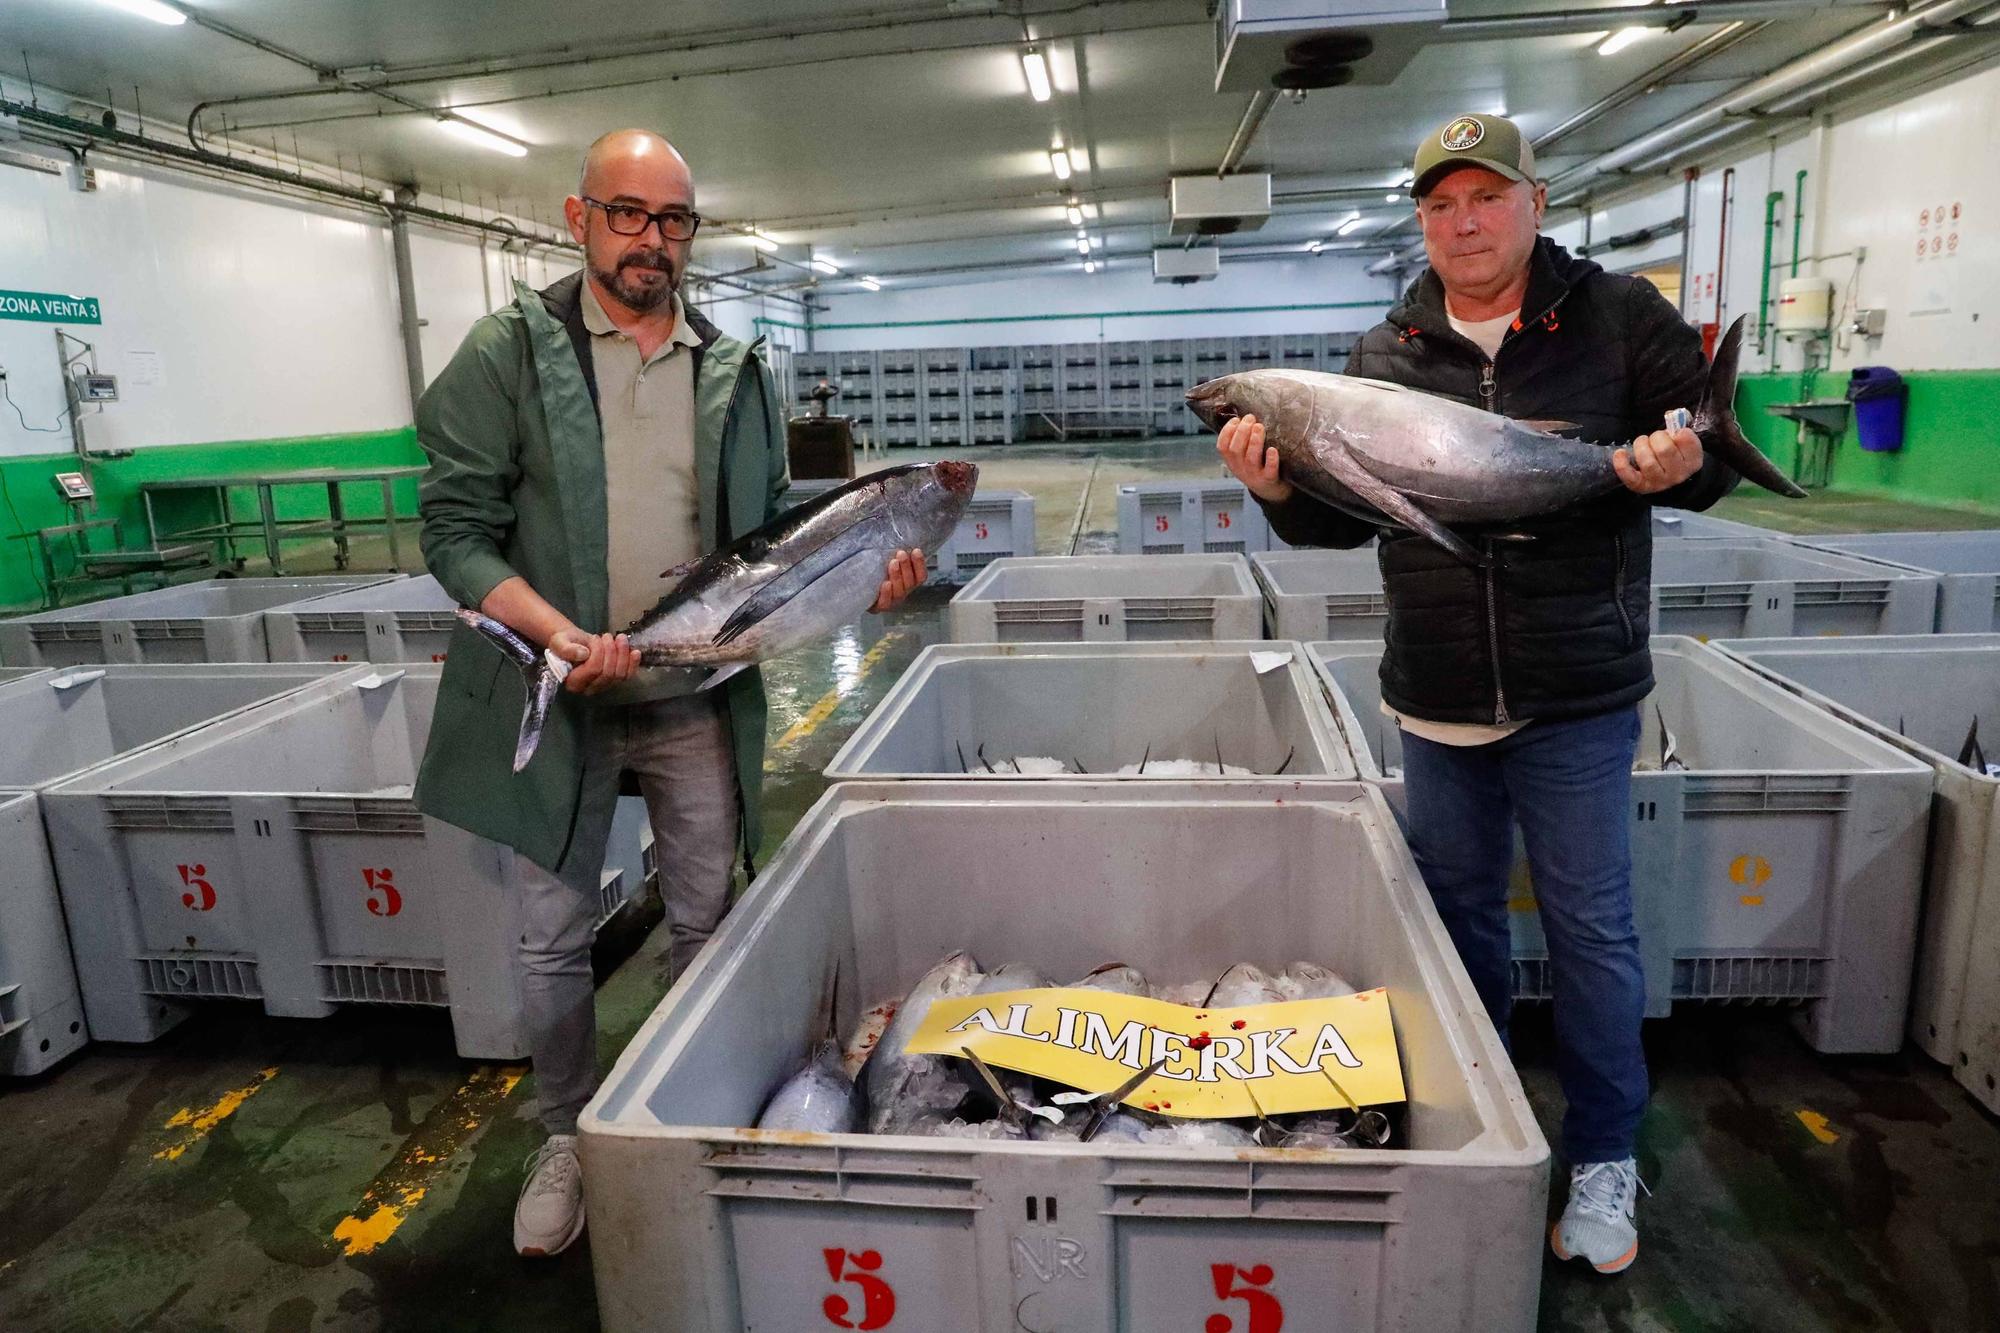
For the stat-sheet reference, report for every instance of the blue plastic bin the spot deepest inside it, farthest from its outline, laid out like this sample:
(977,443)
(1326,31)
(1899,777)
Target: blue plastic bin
(1879,396)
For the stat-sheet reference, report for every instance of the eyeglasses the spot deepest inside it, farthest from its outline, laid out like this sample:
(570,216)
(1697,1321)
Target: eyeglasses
(676,224)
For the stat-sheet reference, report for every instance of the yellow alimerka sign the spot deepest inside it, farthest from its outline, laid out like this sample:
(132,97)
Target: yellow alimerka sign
(1219,1063)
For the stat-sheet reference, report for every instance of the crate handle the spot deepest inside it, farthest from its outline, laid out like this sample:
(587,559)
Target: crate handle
(71,679)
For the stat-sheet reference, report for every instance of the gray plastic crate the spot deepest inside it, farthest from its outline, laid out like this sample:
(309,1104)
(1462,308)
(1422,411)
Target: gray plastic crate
(1783,864)
(1107,598)
(60,723)
(995,524)
(1189,517)
(707,1225)
(1101,706)
(1920,694)
(41,1012)
(215,620)
(1685,523)
(409,620)
(1965,564)
(1314,595)
(1732,587)
(276,855)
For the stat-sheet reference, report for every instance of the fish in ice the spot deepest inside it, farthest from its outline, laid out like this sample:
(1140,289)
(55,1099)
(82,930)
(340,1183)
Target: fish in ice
(819,1099)
(906,1091)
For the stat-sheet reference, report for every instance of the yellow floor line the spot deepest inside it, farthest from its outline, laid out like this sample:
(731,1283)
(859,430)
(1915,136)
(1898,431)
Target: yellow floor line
(829,701)
(394,1194)
(1815,1124)
(197,1123)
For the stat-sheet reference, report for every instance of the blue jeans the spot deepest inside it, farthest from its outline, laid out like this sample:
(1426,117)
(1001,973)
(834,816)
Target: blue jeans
(1569,784)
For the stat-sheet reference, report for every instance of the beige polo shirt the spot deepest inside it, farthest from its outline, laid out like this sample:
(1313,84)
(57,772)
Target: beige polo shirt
(652,500)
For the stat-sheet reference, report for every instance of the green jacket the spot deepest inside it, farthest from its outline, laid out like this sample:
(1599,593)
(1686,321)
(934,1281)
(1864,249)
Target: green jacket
(516,486)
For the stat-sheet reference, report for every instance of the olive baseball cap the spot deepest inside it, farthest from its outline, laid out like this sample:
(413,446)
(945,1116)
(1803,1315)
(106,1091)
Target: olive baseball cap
(1493,142)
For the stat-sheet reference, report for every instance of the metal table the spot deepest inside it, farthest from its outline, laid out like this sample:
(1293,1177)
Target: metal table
(267,524)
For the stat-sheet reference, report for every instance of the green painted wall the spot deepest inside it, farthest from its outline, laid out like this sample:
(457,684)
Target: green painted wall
(1951,437)
(28,498)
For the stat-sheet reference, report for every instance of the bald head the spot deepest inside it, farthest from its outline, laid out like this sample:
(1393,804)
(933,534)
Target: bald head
(628,174)
(622,153)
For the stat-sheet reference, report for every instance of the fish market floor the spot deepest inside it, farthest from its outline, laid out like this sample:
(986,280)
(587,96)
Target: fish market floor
(352,1173)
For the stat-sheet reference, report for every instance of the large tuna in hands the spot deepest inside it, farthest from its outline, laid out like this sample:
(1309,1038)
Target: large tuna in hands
(796,579)
(1394,455)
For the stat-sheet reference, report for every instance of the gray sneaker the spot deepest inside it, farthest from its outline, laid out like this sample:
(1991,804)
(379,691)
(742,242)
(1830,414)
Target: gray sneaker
(549,1215)
(1598,1223)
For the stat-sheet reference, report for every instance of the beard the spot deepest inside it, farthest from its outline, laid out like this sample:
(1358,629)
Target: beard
(642,281)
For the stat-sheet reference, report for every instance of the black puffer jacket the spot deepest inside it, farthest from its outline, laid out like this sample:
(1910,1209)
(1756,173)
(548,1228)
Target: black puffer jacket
(1557,627)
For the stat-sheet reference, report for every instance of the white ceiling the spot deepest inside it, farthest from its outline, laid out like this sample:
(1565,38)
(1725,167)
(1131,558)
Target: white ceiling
(905,146)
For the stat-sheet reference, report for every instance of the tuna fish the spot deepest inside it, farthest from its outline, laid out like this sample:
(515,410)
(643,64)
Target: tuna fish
(819,1099)
(1242,985)
(907,1092)
(1398,456)
(1310,981)
(798,578)
(1118,978)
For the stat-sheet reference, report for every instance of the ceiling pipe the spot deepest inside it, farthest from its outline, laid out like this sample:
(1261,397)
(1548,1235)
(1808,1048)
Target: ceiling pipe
(224,165)
(1246,130)
(1554,23)
(1817,66)
(1714,44)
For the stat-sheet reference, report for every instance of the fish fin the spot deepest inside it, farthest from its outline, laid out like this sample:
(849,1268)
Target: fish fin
(543,673)
(1715,420)
(1349,472)
(773,596)
(1972,754)
(1547,425)
(722,673)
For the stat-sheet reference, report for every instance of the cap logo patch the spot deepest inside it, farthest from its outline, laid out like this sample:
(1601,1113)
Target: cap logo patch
(1463,133)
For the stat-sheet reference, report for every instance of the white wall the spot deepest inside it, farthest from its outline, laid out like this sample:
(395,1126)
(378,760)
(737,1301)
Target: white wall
(266,319)
(1870,180)
(1119,303)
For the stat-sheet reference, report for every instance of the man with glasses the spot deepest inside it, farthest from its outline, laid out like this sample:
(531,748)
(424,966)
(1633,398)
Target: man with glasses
(585,439)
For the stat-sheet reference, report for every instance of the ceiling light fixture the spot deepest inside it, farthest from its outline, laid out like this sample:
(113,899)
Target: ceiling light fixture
(872,284)
(825,265)
(1090,266)
(1391,197)
(1314,247)
(1036,67)
(763,242)
(492,140)
(1074,214)
(150,9)
(1621,39)
(1083,245)
(1059,163)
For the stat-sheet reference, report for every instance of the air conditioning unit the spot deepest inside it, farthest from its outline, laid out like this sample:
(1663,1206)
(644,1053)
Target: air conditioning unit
(1208,206)
(1181,267)
(1305,44)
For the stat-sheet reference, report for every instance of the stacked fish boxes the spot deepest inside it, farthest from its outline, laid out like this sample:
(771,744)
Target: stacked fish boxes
(941,381)
(1171,376)
(897,398)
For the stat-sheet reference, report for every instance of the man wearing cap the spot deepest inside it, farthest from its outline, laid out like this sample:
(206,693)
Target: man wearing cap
(1516,686)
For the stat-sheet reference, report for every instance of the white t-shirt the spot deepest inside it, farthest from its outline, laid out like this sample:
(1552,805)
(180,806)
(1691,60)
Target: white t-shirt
(1486,334)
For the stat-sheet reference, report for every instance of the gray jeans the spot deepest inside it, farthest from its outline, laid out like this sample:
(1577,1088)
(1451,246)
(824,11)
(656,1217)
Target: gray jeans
(680,752)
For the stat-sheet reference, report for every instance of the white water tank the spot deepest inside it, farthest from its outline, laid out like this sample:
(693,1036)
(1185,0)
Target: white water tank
(1805,307)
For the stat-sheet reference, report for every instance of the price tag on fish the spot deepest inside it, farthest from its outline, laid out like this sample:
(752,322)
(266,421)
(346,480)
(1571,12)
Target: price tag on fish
(1259,1060)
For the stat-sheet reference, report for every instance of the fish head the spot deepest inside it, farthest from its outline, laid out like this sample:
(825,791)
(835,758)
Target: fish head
(1226,397)
(925,502)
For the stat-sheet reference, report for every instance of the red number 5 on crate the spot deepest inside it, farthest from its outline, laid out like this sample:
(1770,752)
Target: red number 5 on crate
(383,897)
(878,1298)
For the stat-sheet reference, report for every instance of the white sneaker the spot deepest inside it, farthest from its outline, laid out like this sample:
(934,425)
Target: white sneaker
(549,1215)
(1597,1223)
